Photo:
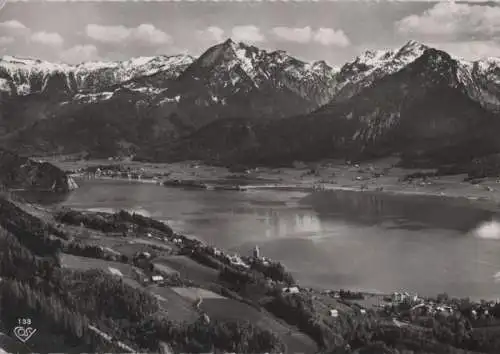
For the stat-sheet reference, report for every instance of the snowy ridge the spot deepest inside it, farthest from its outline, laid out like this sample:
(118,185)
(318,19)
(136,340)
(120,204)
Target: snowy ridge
(234,68)
(238,66)
(33,75)
(373,65)
(481,80)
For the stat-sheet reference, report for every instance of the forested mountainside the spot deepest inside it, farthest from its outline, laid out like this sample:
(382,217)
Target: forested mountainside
(239,103)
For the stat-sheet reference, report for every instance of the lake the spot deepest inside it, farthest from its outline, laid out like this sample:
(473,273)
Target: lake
(350,240)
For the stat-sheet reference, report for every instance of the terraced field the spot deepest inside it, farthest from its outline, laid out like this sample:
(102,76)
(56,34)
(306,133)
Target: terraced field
(177,307)
(228,309)
(194,294)
(190,269)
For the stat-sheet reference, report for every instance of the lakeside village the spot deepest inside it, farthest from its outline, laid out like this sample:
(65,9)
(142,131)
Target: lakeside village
(115,171)
(403,308)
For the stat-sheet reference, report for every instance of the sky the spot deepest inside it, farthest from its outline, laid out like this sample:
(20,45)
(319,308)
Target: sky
(76,31)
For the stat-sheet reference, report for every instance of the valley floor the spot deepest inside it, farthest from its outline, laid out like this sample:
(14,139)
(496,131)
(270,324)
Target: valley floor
(375,176)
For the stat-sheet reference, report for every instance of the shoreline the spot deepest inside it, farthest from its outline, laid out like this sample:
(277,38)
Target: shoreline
(224,253)
(377,176)
(395,189)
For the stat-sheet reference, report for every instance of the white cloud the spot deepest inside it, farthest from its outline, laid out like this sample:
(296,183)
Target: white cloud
(247,34)
(452,20)
(13,28)
(469,50)
(300,35)
(107,34)
(47,38)
(324,36)
(79,54)
(328,36)
(6,40)
(212,33)
(144,34)
(147,33)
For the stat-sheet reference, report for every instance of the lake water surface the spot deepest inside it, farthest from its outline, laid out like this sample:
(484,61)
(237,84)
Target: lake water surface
(352,240)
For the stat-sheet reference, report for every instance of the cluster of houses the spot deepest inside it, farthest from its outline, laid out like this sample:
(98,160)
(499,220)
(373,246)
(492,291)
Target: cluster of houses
(153,277)
(236,260)
(142,278)
(405,297)
(115,172)
(421,306)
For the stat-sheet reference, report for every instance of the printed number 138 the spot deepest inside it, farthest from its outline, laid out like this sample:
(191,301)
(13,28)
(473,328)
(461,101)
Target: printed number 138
(23,321)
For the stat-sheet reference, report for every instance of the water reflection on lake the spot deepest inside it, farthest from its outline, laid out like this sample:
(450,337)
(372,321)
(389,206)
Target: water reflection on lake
(342,239)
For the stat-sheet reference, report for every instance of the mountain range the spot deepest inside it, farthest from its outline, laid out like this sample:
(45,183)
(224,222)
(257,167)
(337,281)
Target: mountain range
(238,103)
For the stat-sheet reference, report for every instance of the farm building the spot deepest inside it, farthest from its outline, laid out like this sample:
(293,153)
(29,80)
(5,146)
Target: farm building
(334,313)
(157,278)
(291,290)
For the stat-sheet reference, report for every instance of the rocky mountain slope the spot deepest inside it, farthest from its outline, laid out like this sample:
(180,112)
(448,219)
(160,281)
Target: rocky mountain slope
(143,100)
(424,108)
(239,102)
(23,77)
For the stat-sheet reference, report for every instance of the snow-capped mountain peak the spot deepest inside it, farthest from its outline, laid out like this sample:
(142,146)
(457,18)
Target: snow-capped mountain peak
(242,66)
(26,75)
(411,49)
(375,64)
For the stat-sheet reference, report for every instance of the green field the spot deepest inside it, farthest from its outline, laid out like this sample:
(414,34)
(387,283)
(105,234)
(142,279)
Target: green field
(190,269)
(162,268)
(193,294)
(177,307)
(84,263)
(228,309)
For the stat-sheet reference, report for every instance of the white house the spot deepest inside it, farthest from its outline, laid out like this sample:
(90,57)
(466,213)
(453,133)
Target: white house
(291,290)
(334,313)
(157,278)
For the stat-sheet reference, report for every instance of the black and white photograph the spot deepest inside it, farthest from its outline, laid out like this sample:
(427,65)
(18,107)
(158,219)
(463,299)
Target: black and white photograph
(253,176)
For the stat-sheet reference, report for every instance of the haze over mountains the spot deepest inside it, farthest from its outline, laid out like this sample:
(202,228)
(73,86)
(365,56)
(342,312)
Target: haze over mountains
(238,103)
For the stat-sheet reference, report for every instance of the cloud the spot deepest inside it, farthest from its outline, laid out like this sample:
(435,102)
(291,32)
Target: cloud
(6,40)
(212,33)
(324,36)
(299,35)
(328,36)
(247,34)
(107,34)
(452,20)
(47,38)
(79,54)
(469,50)
(146,34)
(13,28)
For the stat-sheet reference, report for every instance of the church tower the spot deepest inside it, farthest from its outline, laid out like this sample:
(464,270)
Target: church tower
(256,252)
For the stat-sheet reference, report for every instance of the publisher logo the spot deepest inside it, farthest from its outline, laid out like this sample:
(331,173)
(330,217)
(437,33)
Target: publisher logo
(24,331)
